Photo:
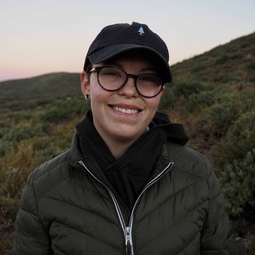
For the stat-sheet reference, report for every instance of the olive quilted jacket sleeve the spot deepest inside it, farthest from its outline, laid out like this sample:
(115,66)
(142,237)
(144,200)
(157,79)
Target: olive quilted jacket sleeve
(31,236)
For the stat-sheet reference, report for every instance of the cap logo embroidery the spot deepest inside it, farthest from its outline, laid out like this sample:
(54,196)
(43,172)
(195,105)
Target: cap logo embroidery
(141,31)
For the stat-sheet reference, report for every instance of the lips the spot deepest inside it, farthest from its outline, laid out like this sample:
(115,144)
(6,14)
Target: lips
(126,111)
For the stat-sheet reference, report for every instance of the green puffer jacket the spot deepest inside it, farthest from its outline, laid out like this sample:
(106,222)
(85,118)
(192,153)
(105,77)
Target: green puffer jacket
(68,207)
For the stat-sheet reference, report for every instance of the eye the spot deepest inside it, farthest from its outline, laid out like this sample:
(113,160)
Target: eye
(111,72)
(148,78)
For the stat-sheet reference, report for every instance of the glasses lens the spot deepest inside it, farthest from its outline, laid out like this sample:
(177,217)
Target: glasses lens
(111,78)
(149,85)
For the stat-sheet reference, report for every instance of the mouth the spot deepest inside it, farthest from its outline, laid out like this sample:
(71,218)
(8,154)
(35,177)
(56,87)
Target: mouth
(126,111)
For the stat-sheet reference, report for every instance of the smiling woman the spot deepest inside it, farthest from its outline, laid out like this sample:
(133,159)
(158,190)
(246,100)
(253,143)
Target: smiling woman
(128,185)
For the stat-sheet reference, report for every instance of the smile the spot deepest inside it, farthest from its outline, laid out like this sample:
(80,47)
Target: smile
(126,111)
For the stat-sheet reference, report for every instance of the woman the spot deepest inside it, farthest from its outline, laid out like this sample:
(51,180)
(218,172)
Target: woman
(127,185)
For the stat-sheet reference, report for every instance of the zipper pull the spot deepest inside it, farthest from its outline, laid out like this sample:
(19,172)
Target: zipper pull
(128,240)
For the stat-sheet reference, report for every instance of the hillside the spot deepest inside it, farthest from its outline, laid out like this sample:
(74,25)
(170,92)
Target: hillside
(232,62)
(52,85)
(212,95)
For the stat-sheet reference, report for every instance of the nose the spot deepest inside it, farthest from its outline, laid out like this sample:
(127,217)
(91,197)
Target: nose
(129,89)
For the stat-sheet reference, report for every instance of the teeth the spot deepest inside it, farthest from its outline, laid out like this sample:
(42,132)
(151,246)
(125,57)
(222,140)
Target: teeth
(127,111)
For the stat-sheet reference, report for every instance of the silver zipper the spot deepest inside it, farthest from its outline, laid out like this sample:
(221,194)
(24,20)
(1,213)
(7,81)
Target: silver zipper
(128,241)
(128,229)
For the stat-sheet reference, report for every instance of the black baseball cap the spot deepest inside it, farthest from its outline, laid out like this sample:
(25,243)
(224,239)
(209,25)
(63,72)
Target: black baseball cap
(120,38)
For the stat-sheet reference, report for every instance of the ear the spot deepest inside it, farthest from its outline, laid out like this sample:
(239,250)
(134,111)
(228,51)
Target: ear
(163,90)
(85,84)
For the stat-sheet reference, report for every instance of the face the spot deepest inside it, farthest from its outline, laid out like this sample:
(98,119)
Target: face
(121,115)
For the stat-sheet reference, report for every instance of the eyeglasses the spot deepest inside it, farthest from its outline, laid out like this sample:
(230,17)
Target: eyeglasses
(113,78)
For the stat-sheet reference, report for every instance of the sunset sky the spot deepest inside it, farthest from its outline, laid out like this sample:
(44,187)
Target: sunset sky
(39,37)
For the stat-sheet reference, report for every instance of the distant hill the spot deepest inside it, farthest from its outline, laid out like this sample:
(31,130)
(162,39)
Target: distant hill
(53,85)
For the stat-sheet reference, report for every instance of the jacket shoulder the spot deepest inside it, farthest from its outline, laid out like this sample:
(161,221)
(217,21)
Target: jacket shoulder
(50,173)
(189,161)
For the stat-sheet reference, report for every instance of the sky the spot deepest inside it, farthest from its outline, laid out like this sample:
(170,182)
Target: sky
(40,37)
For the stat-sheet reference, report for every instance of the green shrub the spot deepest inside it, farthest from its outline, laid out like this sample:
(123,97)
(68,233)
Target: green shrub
(198,67)
(4,131)
(219,117)
(65,110)
(234,161)
(5,147)
(222,78)
(222,59)
(201,100)
(239,139)
(250,76)
(24,131)
(238,183)
(22,115)
(185,88)
(14,170)
(216,121)
(45,148)
(167,100)
(251,65)
(244,99)
(8,211)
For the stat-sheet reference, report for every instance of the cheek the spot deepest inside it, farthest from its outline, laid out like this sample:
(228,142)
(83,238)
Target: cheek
(152,106)
(95,93)
(98,96)
(153,103)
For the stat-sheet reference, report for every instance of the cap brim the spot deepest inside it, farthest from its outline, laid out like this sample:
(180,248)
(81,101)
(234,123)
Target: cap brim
(113,50)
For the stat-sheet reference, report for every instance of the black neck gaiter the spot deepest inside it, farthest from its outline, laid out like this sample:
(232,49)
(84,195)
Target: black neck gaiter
(128,174)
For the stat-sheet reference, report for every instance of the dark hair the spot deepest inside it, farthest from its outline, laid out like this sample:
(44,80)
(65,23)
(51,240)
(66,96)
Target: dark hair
(88,68)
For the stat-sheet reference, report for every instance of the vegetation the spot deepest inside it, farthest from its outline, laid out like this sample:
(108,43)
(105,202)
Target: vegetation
(212,95)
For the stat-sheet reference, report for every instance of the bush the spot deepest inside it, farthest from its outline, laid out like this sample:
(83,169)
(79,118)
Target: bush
(186,88)
(198,67)
(24,131)
(45,149)
(229,106)
(201,101)
(15,168)
(65,110)
(5,147)
(234,160)
(4,131)
(223,58)
(167,100)
(8,211)
(216,121)
(238,184)
(22,115)
(222,78)
(181,95)
(239,139)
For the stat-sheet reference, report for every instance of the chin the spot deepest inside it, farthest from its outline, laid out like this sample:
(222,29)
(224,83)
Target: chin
(128,135)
